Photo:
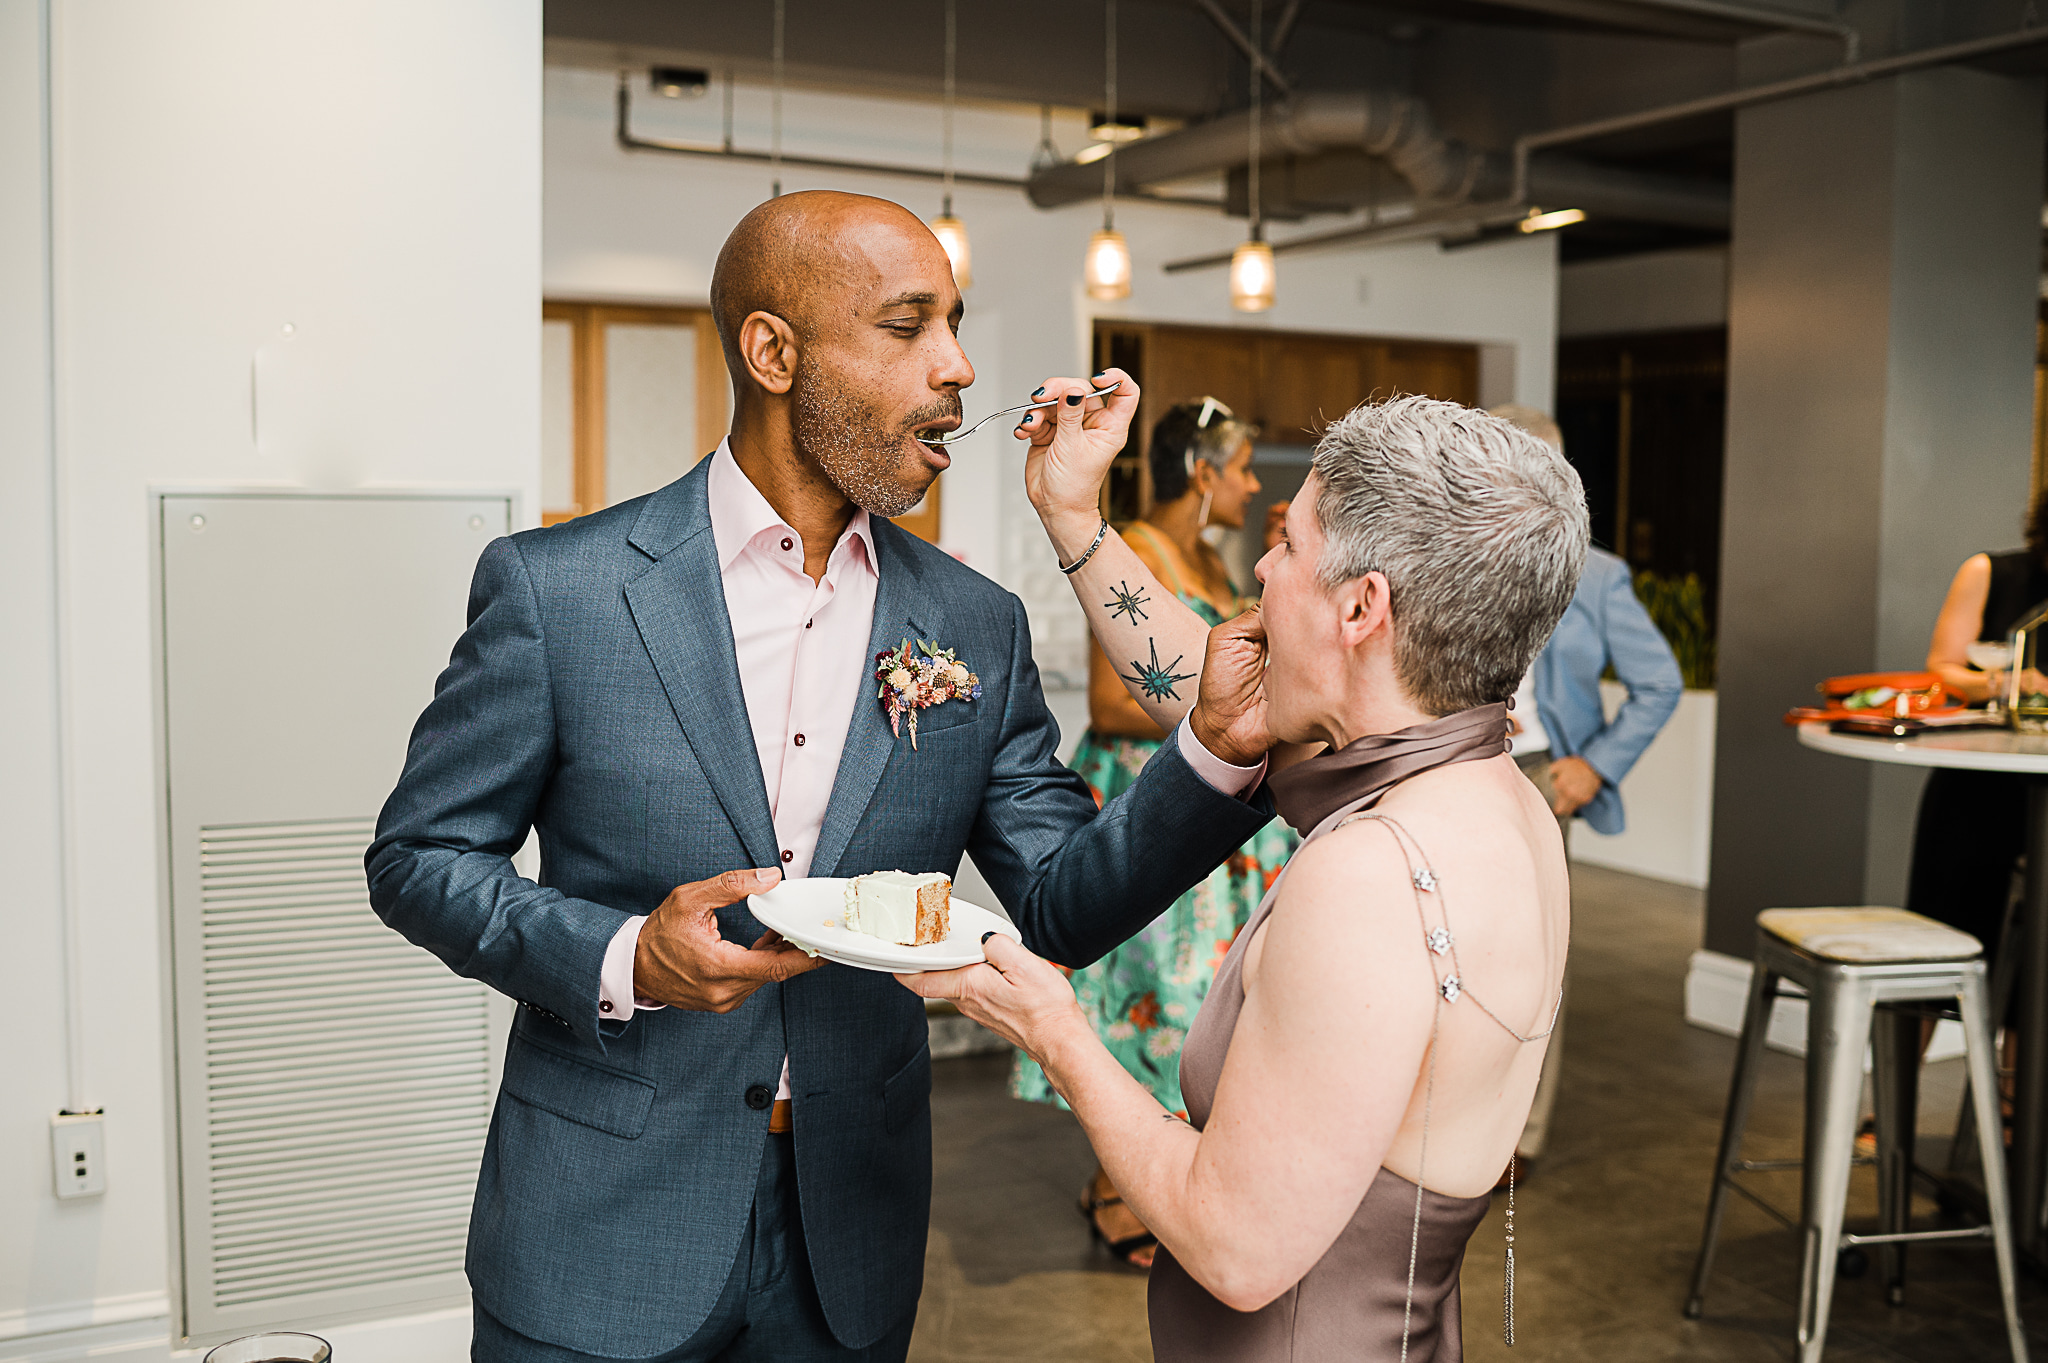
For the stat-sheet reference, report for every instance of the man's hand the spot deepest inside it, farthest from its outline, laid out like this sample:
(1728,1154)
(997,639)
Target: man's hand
(1230,712)
(1575,782)
(683,962)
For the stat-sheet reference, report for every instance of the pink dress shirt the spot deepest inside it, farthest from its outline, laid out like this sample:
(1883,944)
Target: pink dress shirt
(802,649)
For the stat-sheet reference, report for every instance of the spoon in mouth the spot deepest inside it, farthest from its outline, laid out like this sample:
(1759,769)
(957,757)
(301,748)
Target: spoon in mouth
(951,436)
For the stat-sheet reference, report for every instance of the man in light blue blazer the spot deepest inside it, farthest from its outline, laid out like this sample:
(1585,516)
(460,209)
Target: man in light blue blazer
(707,1145)
(1589,753)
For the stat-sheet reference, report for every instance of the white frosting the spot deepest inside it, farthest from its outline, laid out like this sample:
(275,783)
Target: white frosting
(884,903)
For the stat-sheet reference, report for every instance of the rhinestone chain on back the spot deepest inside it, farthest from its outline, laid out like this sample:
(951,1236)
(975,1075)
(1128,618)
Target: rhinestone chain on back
(1450,989)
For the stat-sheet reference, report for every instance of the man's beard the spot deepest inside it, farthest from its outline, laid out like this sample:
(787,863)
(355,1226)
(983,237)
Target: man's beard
(859,449)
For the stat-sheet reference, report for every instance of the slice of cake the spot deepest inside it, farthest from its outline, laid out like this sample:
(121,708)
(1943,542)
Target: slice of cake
(900,906)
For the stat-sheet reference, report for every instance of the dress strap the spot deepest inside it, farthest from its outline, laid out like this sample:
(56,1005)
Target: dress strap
(1439,939)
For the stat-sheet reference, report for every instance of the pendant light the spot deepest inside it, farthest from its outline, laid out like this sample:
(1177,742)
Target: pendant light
(1107,266)
(951,232)
(775,137)
(1251,264)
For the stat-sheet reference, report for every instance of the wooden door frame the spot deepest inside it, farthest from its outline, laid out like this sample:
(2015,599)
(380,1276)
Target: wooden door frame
(587,322)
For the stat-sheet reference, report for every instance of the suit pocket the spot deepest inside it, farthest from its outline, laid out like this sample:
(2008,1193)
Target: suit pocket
(907,1092)
(607,1100)
(952,714)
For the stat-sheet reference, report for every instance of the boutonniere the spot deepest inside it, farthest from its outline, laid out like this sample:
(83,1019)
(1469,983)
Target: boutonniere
(918,676)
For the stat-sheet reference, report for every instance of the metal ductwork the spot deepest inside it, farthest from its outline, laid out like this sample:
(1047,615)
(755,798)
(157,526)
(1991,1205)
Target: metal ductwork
(1440,171)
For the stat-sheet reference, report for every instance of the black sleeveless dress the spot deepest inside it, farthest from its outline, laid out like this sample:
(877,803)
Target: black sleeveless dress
(1972,826)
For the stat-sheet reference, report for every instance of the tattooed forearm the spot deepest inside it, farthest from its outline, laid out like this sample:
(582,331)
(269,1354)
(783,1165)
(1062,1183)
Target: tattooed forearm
(1158,682)
(1128,603)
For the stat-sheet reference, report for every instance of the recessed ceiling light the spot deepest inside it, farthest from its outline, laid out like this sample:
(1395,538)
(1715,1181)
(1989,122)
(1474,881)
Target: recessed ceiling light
(1539,221)
(679,82)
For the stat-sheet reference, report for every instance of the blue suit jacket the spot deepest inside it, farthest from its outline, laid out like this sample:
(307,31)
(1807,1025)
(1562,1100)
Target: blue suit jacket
(595,698)
(1605,623)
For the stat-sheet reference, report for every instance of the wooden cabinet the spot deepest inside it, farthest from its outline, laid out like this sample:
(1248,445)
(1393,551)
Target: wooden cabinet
(1292,384)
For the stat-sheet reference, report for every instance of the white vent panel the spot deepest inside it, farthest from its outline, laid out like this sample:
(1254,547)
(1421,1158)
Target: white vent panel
(347,1083)
(333,1082)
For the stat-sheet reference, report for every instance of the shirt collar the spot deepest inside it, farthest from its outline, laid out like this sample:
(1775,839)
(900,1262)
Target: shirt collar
(739,512)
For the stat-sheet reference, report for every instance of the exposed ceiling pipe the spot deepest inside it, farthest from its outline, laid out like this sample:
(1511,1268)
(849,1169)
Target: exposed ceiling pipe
(1527,179)
(1398,128)
(726,151)
(1832,78)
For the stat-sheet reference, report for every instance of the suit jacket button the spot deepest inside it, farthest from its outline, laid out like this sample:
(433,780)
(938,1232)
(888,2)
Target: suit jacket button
(759,1097)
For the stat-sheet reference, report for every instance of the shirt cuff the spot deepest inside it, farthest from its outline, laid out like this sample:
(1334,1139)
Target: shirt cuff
(1220,775)
(615,998)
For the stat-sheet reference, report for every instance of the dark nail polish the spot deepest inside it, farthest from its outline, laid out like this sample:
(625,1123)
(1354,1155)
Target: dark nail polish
(985,936)
(1039,391)
(1102,373)
(1074,399)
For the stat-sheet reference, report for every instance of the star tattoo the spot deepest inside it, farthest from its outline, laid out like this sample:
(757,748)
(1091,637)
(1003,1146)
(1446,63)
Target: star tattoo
(1158,682)
(1128,603)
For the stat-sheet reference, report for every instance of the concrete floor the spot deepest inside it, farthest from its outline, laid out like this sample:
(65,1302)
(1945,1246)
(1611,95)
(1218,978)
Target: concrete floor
(1608,1226)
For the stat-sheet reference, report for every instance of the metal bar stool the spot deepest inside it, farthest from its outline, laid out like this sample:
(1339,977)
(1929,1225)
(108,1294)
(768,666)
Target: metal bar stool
(1853,962)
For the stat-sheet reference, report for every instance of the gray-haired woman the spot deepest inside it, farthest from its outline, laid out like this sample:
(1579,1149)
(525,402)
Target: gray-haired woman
(1361,1069)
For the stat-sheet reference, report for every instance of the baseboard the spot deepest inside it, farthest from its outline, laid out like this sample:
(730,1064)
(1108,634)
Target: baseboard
(431,1337)
(1717,991)
(39,1322)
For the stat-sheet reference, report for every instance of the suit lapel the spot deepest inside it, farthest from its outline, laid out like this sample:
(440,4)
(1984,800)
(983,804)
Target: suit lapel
(900,614)
(678,606)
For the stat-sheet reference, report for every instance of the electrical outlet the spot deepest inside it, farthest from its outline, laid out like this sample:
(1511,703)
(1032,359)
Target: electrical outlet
(78,1153)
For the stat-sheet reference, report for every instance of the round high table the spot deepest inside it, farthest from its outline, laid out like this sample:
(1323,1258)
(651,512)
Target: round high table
(2026,754)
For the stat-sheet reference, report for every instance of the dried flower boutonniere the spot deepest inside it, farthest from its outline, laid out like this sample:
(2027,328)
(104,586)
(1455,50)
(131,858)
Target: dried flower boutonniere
(917,676)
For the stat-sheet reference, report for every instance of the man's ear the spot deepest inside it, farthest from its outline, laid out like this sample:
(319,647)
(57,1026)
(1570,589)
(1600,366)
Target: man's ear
(768,350)
(1365,608)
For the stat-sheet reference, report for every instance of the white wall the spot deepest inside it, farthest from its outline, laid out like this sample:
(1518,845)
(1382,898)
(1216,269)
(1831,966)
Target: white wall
(647,227)
(1656,291)
(368,173)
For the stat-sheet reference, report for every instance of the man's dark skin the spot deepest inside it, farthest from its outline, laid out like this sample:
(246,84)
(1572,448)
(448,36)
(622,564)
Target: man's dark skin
(839,318)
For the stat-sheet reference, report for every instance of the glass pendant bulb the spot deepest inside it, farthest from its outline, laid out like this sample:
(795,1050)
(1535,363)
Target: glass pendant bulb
(952,234)
(1108,268)
(1251,277)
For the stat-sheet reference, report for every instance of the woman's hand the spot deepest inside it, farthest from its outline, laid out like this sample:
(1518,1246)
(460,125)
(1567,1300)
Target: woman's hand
(1019,996)
(1230,716)
(1071,445)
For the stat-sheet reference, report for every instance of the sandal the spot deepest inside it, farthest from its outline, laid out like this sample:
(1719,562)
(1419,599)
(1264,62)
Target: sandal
(1123,1249)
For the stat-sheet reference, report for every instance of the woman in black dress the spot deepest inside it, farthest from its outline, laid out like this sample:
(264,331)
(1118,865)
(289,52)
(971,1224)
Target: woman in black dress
(1972,825)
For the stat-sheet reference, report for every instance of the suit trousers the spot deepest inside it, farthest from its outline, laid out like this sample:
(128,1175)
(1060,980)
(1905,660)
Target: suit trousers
(1536,1131)
(768,1312)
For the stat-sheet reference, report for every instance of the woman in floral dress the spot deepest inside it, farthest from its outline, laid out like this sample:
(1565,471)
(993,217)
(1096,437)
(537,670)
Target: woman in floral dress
(1142,995)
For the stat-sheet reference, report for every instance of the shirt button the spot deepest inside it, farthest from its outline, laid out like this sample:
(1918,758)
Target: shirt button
(604,1005)
(799,740)
(787,855)
(787,542)
(759,1097)
(809,623)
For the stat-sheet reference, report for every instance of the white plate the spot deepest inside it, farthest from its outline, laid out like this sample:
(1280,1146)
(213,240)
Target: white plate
(809,913)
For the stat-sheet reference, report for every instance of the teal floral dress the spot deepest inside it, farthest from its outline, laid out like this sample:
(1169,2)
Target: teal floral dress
(1141,997)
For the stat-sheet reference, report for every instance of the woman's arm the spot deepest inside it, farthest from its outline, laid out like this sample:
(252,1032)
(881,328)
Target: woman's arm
(1154,643)
(1320,1073)
(1957,627)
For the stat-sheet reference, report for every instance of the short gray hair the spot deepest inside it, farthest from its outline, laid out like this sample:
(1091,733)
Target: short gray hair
(1479,527)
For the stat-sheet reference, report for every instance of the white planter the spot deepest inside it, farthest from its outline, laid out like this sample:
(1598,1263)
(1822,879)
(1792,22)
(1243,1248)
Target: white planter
(1668,797)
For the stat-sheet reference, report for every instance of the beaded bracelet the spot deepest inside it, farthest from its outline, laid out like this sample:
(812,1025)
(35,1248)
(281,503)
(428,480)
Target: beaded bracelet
(1071,568)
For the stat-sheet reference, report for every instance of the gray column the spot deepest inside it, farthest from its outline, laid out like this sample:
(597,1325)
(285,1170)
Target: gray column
(1882,284)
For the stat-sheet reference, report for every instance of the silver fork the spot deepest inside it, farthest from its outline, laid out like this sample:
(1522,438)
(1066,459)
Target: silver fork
(966,431)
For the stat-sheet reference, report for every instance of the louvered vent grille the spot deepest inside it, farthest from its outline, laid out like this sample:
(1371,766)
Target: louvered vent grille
(347,1073)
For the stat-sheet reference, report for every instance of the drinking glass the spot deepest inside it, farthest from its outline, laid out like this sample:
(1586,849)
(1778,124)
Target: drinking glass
(274,1347)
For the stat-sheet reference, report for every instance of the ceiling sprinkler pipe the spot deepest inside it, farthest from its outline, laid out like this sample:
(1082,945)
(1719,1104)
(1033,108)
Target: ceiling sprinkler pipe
(1833,78)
